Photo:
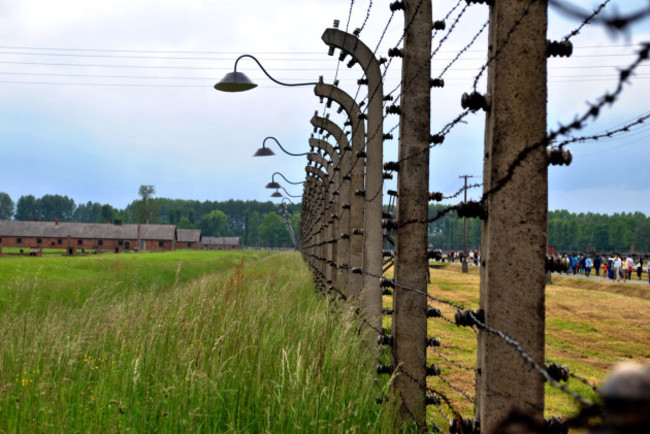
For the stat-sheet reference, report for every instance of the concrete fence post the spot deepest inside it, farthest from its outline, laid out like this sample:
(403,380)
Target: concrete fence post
(371,294)
(356,174)
(331,225)
(342,219)
(316,235)
(325,229)
(312,201)
(515,232)
(411,237)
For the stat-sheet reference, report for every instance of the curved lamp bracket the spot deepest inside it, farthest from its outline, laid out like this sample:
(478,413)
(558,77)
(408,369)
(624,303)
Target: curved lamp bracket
(290,182)
(288,194)
(239,82)
(264,151)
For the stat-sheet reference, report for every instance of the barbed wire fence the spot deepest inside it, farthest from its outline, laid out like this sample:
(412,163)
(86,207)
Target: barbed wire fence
(320,232)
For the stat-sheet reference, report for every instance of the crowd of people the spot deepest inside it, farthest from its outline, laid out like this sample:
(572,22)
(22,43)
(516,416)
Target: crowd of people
(614,267)
(473,256)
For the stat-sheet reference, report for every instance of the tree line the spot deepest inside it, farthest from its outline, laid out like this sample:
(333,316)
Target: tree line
(570,232)
(567,232)
(255,223)
(259,224)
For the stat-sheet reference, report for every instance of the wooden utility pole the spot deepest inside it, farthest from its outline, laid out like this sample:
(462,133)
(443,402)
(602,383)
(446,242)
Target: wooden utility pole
(464,265)
(411,256)
(515,230)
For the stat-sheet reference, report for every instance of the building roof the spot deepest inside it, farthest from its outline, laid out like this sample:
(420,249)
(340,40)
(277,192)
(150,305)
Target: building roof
(220,241)
(188,235)
(157,232)
(10,228)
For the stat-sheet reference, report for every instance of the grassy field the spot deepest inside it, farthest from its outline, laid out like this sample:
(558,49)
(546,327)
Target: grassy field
(589,327)
(178,342)
(240,342)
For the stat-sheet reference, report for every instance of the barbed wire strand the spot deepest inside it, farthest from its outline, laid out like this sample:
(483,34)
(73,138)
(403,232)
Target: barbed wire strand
(585,21)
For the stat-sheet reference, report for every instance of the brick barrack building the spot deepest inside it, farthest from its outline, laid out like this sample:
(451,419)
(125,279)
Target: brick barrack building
(113,237)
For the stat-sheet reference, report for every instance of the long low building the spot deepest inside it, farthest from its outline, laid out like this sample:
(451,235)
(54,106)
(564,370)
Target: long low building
(220,243)
(95,236)
(188,238)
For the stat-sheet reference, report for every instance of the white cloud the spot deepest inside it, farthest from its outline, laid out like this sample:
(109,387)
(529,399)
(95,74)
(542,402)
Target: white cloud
(196,142)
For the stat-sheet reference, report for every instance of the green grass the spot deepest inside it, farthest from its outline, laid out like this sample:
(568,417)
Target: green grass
(179,342)
(35,283)
(25,251)
(240,342)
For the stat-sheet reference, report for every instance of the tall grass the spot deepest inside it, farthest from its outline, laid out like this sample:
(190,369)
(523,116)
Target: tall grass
(37,283)
(249,347)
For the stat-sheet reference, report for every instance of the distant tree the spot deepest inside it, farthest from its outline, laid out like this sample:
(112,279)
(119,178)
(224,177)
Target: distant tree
(601,237)
(108,213)
(214,224)
(126,215)
(184,223)
(6,207)
(253,229)
(95,212)
(191,216)
(175,215)
(617,234)
(147,210)
(55,205)
(642,236)
(295,224)
(27,208)
(474,234)
(273,231)
(86,212)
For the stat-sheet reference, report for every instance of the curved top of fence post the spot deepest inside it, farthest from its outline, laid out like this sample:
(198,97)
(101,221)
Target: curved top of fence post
(327,173)
(351,108)
(334,130)
(328,148)
(315,179)
(370,65)
(357,49)
(354,169)
(318,182)
(373,234)
(337,94)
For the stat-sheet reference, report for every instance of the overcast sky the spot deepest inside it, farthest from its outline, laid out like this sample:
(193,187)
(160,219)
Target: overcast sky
(99,97)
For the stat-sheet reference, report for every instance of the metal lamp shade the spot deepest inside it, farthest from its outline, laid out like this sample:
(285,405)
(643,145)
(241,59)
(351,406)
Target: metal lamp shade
(273,184)
(235,82)
(277,194)
(263,152)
